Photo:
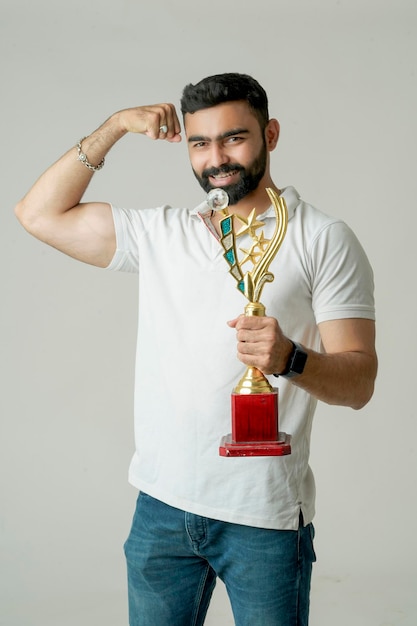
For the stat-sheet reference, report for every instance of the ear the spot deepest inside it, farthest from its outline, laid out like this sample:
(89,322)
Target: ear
(272,134)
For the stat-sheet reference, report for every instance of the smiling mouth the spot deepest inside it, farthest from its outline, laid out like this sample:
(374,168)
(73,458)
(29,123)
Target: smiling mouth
(224,175)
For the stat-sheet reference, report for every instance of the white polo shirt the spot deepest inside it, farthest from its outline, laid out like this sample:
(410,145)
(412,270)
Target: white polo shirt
(186,365)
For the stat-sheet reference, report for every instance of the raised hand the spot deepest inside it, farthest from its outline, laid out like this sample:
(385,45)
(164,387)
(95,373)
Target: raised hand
(157,121)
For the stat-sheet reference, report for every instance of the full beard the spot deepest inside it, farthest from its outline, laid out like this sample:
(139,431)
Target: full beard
(248,181)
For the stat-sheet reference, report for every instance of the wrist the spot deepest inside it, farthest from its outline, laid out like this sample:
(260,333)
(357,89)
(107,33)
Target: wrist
(297,358)
(117,124)
(93,148)
(84,158)
(112,129)
(287,355)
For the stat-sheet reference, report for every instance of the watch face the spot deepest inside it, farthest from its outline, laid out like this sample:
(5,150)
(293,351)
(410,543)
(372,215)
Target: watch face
(299,361)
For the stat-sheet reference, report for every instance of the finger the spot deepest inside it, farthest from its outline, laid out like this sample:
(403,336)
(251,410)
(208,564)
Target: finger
(232,323)
(157,118)
(247,336)
(250,349)
(170,127)
(167,135)
(250,322)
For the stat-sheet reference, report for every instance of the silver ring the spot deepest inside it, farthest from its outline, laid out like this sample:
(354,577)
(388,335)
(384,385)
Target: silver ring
(163,128)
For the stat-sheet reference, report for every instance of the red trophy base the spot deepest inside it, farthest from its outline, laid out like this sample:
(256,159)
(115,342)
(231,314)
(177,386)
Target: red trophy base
(255,429)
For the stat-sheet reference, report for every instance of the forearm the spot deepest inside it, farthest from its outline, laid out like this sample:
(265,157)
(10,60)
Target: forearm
(63,184)
(345,379)
(344,374)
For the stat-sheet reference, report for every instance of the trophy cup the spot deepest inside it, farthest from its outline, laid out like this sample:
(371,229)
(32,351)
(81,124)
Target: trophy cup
(254,402)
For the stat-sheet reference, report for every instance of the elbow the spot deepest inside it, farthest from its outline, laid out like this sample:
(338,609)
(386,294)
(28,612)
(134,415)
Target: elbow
(21,214)
(361,401)
(365,390)
(25,217)
(18,211)
(364,396)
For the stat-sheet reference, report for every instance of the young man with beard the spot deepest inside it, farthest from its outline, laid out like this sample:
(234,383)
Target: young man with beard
(200,515)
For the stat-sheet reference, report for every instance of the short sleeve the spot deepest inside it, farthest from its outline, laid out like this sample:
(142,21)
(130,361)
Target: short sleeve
(342,277)
(126,257)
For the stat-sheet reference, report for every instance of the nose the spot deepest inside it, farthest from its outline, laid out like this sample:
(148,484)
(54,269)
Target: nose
(218,155)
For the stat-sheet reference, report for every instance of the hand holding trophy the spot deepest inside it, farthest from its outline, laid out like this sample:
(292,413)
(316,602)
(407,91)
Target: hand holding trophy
(255,430)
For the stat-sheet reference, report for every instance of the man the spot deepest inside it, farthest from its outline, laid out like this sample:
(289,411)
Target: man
(200,515)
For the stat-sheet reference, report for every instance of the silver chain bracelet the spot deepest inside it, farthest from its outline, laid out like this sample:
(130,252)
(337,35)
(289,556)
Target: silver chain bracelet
(84,159)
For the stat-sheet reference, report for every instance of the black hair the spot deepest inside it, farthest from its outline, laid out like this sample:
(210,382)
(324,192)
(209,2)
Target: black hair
(222,88)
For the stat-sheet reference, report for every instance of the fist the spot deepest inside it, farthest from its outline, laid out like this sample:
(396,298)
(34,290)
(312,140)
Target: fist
(157,121)
(261,343)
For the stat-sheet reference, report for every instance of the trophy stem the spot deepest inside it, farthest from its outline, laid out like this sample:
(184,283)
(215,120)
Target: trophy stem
(253,381)
(255,308)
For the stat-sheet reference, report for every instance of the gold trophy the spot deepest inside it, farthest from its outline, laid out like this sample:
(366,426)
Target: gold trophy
(255,430)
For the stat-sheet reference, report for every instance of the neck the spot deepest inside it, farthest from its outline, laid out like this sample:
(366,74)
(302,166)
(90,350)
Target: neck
(258,199)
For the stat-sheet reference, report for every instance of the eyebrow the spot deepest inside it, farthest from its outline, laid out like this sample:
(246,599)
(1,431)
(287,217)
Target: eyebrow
(228,133)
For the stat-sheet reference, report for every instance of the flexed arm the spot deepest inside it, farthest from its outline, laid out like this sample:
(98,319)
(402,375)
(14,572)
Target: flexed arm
(52,210)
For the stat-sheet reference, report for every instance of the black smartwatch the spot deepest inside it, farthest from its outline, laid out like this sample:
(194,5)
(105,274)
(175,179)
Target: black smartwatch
(296,362)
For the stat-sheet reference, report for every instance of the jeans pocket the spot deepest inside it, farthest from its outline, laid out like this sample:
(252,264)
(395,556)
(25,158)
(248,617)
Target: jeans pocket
(309,541)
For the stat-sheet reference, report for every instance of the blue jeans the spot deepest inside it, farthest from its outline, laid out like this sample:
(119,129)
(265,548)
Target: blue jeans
(174,557)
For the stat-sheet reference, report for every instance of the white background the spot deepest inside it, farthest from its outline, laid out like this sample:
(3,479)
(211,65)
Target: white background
(341,77)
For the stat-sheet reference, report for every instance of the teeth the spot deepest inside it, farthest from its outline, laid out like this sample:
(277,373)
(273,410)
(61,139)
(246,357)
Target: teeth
(224,175)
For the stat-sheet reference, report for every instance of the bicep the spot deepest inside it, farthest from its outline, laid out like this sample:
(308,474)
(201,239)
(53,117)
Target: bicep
(348,335)
(85,232)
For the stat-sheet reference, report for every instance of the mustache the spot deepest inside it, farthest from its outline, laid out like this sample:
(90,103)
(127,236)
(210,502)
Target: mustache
(223,169)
